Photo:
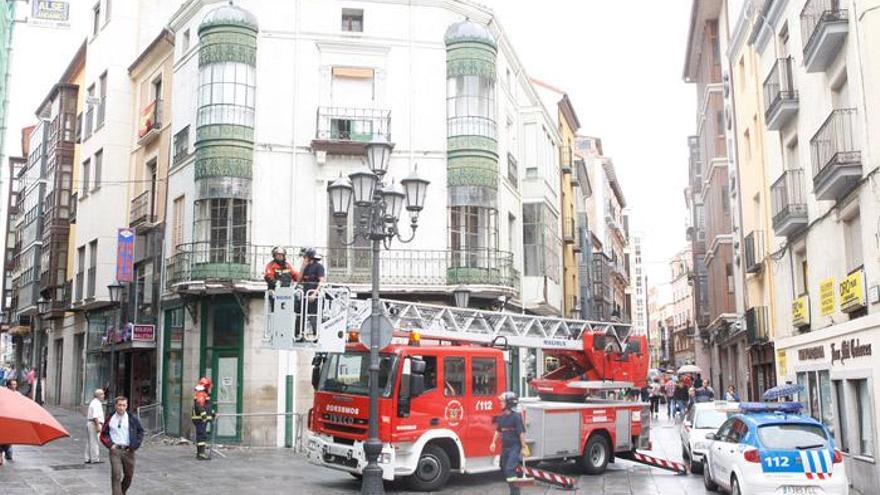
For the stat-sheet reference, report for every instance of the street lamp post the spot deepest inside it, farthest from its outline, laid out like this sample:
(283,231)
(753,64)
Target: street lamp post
(115,291)
(379,224)
(42,307)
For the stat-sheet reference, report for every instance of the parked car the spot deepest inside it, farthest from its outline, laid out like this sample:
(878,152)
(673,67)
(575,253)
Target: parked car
(770,448)
(701,418)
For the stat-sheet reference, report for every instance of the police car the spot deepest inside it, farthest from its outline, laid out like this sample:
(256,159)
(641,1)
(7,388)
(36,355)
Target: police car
(702,418)
(769,448)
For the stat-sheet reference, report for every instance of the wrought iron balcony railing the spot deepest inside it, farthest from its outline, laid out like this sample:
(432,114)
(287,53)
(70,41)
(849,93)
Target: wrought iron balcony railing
(151,121)
(569,230)
(400,268)
(789,203)
(142,209)
(836,155)
(565,159)
(347,130)
(780,95)
(824,27)
(754,251)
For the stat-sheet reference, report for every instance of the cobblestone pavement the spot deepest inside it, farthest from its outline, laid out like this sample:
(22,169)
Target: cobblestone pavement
(170,469)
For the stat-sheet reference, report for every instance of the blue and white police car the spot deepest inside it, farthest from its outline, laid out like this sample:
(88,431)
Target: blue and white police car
(771,449)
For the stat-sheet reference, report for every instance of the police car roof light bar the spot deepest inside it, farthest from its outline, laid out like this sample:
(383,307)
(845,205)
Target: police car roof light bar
(759,407)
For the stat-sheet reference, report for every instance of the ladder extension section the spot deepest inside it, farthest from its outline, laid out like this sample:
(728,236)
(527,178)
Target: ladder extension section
(471,325)
(319,320)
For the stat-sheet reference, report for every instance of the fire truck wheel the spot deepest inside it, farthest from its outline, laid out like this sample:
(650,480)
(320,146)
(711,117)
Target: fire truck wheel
(596,454)
(432,471)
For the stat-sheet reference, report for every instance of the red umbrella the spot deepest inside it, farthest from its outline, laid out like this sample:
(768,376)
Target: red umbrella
(24,422)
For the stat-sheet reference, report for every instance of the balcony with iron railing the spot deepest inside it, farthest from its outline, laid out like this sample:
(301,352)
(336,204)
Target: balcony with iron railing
(346,131)
(601,290)
(569,230)
(824,27)
(757,326)
(566,162)
(789,203)
(836,155)
(402,270)
(780,95)
(142,210)
(150,122)
(754,251)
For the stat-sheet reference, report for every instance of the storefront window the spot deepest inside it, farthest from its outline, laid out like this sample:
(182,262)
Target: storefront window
(97,361)
(866,417)
(841,435)
(816,398)
(827,412)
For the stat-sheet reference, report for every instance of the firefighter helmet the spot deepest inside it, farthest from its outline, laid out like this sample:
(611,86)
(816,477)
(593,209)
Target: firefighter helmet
(311,253)
(510,399)
(279,250)
(206,382)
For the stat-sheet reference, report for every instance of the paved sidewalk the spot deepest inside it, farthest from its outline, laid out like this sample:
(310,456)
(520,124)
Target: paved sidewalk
(171,469)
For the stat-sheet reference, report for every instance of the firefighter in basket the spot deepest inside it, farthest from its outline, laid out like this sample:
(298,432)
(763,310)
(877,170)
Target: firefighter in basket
(279,271)
(202,415)
(512,432)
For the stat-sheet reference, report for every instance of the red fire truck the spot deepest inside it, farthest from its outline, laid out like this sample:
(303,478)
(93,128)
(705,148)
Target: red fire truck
(440,420)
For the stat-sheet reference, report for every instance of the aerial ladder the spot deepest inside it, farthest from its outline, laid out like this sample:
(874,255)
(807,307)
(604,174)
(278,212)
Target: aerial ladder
(589,354)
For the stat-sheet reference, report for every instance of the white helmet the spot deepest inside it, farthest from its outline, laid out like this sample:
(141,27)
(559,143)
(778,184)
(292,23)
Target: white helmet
(279,250)
(510,399)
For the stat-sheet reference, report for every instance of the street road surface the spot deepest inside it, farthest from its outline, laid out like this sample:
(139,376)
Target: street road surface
(172,469)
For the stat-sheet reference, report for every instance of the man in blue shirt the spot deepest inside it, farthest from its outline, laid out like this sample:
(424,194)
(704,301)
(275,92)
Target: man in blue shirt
(512,431)
(122,434)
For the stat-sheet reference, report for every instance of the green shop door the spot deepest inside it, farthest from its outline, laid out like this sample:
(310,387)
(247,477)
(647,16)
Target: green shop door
(222,344)
(227,392)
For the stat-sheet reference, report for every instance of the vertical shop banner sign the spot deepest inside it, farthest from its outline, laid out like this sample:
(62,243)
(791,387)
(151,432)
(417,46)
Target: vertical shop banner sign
(125,255)
(826,297)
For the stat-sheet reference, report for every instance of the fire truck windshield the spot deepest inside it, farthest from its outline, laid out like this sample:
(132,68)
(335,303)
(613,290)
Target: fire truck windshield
(349,373)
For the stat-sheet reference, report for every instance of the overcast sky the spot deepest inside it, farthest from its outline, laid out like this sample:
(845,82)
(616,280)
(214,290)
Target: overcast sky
(621,64)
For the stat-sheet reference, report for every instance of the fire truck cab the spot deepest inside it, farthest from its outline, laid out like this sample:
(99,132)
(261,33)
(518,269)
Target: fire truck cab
(437,405)
(436,415)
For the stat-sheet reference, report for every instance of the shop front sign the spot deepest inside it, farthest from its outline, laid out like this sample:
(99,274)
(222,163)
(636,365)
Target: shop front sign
(811,353)
(852,292)
(826,297)
(143,333)
(800,311)
(848,349)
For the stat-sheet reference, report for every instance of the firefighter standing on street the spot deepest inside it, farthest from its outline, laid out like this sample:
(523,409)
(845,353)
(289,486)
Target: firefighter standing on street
(512,431)
(202,415)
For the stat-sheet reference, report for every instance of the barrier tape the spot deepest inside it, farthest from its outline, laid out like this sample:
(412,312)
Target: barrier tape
(548,477)
(676,467)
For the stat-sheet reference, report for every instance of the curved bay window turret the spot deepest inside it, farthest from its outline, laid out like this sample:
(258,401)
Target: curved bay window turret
(472,154)
(224,143)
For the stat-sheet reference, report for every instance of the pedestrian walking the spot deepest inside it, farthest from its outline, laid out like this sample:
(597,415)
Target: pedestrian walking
(681,396)
(122,434)
(6,449)
(654,396)
(202,415)
(94,425)
(731,394)
(512,432)
(669,389)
